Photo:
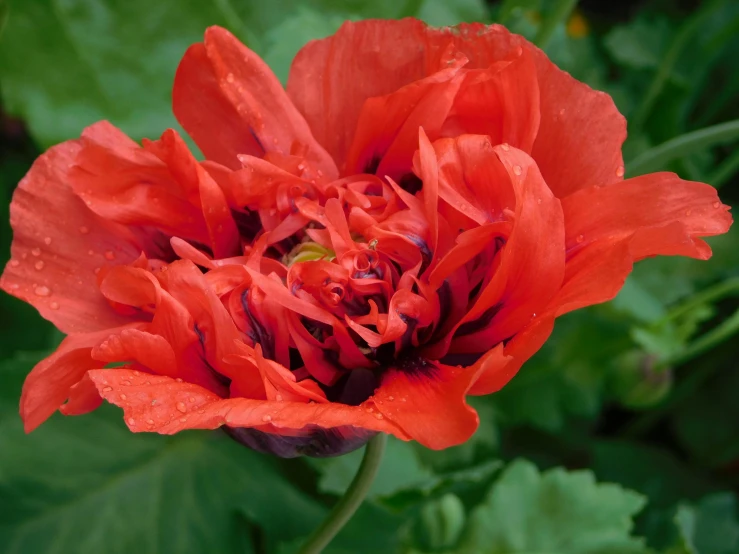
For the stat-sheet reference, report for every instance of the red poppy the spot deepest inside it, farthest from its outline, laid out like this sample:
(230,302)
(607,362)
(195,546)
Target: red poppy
(396,230)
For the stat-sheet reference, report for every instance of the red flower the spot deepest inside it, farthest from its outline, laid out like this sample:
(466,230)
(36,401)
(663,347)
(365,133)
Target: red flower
(397,230)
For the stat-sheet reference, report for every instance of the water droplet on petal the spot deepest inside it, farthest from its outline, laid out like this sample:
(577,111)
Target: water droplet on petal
(688,212)
(267,417)
(230,77)
(620,171)
(109,255)
(278,397)
(131,421)
(391,398)
(107,389)
(123,397)
(505,146)
(150,421)
(179,380)
(517,170)
(538,200)
(39,265)
(14,263)
(580,238)
(192,399)
(36,252)
(47,241)
(181,407)
(54,305)
(379,416)
(183,419)
(126,383)
(717,205)
(42,291)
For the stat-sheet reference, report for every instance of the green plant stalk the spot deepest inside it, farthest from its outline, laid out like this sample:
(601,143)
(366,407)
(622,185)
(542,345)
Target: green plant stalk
(728,168)
(658,157)
(711,294)
(668,64)
(559,14)
(717,335)
(352,499)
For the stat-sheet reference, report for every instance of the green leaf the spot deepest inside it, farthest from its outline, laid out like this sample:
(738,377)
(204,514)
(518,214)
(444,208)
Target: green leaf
(86,484)
(556,512)
(639,44)
(710,527)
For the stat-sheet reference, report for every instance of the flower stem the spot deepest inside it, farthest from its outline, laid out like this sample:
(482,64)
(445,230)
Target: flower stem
(658,157)
(559,14)
(352,499)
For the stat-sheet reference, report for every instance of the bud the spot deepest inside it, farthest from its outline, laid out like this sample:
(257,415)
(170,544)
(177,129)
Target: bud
(440,523)
(637,381)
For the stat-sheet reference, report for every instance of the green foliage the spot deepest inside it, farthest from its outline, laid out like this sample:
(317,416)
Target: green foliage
(665,458)
(555,512)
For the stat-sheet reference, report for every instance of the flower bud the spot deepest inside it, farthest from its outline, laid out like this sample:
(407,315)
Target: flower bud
(638,383)
(440,523)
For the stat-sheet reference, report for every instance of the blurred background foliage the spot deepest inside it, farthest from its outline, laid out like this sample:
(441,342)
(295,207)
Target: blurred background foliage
(621,436)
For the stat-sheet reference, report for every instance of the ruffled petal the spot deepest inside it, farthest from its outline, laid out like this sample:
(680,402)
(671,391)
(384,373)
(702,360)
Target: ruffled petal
(59,245)
(230,103)
(162,404)
(608,228)
(427,400)
(48,385)
(498,366)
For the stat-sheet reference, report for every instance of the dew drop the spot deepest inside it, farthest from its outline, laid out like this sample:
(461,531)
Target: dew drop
(84,230)
(717,205)
(136,373)
(278,398)
(109,255)
(54,305)
(39,265)
(201,411)
(404,399)
(123,397)
(131,421)
(370,409)
(36,252)
(505,146)
(580,238)
(192,399)
(230,77)
(14,263)
(517,170)
(150,421)
(42,291)
(267,417)
(688,212)
(179,380)
(379,416)
(181,407)
(183,419)
(126,383)
(391,398)
(620,171)
(47,241)
(107,389)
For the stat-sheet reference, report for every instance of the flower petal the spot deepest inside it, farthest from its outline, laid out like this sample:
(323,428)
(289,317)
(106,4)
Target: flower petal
(230,103)
(427,400)
(58,244)
(49,383)
(180,406)
(608,228)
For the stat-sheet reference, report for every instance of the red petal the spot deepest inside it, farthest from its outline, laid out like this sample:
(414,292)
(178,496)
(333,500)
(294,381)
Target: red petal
(166,406)
(83,398)
(230,103)
(532,262)
(429,403)
(609,228)
(501,364)
(132,186)
(58,244)
(48,385)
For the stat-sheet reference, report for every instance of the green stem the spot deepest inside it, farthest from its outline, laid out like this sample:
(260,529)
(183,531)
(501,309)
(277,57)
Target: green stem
(711,294)
(559,14)
(668,63)
(352,499)
(658,157)
(728,168)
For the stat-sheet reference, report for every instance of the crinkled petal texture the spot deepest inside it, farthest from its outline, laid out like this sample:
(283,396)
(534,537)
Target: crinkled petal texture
(358,254)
